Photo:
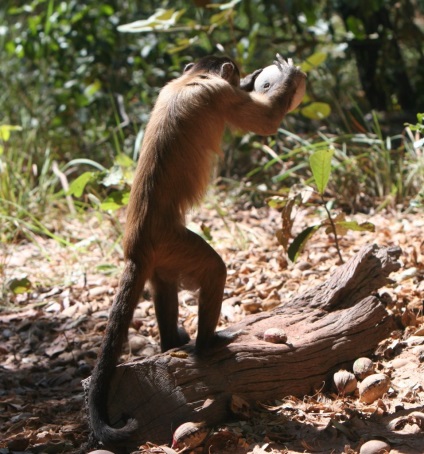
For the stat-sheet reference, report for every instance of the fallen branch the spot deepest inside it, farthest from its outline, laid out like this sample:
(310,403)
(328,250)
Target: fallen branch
(327,327)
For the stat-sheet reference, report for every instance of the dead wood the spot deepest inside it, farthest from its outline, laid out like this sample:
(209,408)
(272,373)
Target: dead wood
(328,327)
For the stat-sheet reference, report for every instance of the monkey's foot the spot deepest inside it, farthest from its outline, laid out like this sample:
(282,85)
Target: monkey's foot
(178,340)
(184,337)
(219,340)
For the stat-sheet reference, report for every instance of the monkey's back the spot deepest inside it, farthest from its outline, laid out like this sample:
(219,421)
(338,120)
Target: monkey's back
(181,140)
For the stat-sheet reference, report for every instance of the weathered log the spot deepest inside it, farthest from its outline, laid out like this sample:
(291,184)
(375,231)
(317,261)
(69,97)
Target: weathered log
(327,327)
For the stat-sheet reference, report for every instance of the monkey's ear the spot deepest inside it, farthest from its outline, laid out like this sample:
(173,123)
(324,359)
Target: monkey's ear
(227,71)
(188,66)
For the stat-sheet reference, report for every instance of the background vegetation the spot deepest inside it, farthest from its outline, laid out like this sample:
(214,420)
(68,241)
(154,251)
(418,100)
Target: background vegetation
(79,80)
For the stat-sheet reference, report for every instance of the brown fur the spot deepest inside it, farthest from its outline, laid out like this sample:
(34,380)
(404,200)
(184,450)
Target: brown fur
(180,142)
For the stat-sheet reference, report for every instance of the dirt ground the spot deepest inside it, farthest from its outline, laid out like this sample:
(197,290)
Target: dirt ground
(50,333)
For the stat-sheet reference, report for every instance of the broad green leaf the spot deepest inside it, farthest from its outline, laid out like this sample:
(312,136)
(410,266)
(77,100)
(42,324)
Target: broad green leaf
(76,188)
(320,163)
(115,200)
(19,286)
(300,241)
(313,61)
(316,110)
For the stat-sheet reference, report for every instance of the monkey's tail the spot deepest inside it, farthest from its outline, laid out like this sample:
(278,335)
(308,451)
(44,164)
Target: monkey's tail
(109,436)
(131,286)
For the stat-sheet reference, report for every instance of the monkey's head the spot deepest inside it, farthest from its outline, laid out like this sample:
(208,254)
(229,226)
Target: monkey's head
(221,66)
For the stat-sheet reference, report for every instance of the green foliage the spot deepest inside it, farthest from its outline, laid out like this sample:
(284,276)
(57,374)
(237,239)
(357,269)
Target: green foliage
(117,181)
(320,163)
(418,128)
(25,187)
(19,285)
(316,111)
(82,77)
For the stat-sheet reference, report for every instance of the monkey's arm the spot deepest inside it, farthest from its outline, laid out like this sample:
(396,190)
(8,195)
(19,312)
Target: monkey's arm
(278,90)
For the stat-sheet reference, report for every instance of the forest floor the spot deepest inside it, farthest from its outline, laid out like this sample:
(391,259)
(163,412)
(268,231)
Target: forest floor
(51,332)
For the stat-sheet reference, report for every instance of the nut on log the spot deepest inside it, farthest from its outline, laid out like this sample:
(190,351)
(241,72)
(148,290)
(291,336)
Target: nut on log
(373,387)
(189,435)
(275,336)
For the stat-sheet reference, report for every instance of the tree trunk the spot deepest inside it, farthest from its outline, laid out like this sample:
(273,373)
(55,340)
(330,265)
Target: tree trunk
(379,59)
(327,327)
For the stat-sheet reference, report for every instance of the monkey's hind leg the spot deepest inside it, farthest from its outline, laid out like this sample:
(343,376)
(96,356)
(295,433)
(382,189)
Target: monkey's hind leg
(165,297)
(204,267)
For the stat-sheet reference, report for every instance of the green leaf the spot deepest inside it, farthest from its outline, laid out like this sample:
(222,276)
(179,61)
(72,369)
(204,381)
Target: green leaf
(124,160)
(19,286)
(320,163)
(115,200)
(316,110)
(5,131)
(180,44)
(92,89)
(356,26)
(107,10)
(107,268)
(353,225)
(300,241)
(313,61)
(207,232)
(277,202)
(76,188)
(221,18)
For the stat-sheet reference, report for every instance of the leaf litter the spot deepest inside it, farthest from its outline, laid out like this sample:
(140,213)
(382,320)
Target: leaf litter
(50,334)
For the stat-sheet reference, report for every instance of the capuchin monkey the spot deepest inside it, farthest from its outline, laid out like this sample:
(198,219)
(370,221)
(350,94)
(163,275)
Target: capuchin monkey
(180,143)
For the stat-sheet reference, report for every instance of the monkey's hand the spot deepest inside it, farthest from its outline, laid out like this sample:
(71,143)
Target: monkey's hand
(282,64)
(248,82)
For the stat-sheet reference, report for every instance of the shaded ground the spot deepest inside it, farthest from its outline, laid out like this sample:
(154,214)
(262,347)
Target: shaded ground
(50,334)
